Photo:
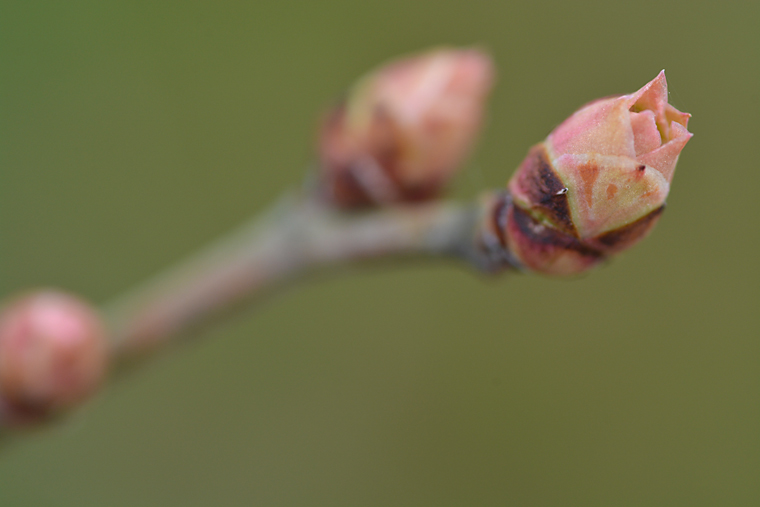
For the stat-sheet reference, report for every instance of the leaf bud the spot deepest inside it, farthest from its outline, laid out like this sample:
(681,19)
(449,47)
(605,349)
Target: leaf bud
(404,129)
(53,354)
(597,184)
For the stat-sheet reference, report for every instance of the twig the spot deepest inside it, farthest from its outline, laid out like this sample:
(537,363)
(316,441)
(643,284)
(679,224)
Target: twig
(300,235)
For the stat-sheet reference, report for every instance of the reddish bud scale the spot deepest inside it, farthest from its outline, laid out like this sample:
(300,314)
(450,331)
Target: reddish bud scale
(52,354)
(596,185)
(374,175)
(403,130)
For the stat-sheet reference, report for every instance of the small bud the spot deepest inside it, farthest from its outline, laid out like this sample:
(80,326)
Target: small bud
(597,184)
(52,353)
(404,129)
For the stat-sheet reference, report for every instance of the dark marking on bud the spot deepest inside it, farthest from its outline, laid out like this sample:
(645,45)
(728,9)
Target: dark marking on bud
(548,237)
(350,187)
(641,168)
(544,189)
(19,413)
(589,173)
(545,249)
(624,237)
(372,175)
(492,235)
(499,218)
(344,189)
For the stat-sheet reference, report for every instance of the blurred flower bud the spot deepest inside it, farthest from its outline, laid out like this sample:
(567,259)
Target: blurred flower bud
(404,129)
(597,184)
(52,353)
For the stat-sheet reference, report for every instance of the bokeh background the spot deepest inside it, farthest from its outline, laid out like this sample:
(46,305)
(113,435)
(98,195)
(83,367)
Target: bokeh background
(132,133)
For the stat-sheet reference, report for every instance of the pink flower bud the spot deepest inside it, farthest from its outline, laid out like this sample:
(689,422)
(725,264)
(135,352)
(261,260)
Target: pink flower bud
(52,353)
(404,129)
(598,183)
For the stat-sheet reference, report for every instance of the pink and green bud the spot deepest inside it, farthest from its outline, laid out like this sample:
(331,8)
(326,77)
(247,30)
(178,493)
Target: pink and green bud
(52,354)
(404,129)
(598,183)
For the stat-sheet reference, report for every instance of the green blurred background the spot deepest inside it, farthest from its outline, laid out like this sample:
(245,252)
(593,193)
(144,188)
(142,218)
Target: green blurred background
(132,133)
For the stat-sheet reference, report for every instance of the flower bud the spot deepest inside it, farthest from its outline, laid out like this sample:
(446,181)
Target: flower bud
(597,184)
(404,129)
(52,353)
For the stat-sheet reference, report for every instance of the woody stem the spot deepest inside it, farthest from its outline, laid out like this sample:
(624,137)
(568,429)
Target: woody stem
(300,235)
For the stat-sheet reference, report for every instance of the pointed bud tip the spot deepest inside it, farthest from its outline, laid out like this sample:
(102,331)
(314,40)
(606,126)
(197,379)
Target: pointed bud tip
(597,154)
